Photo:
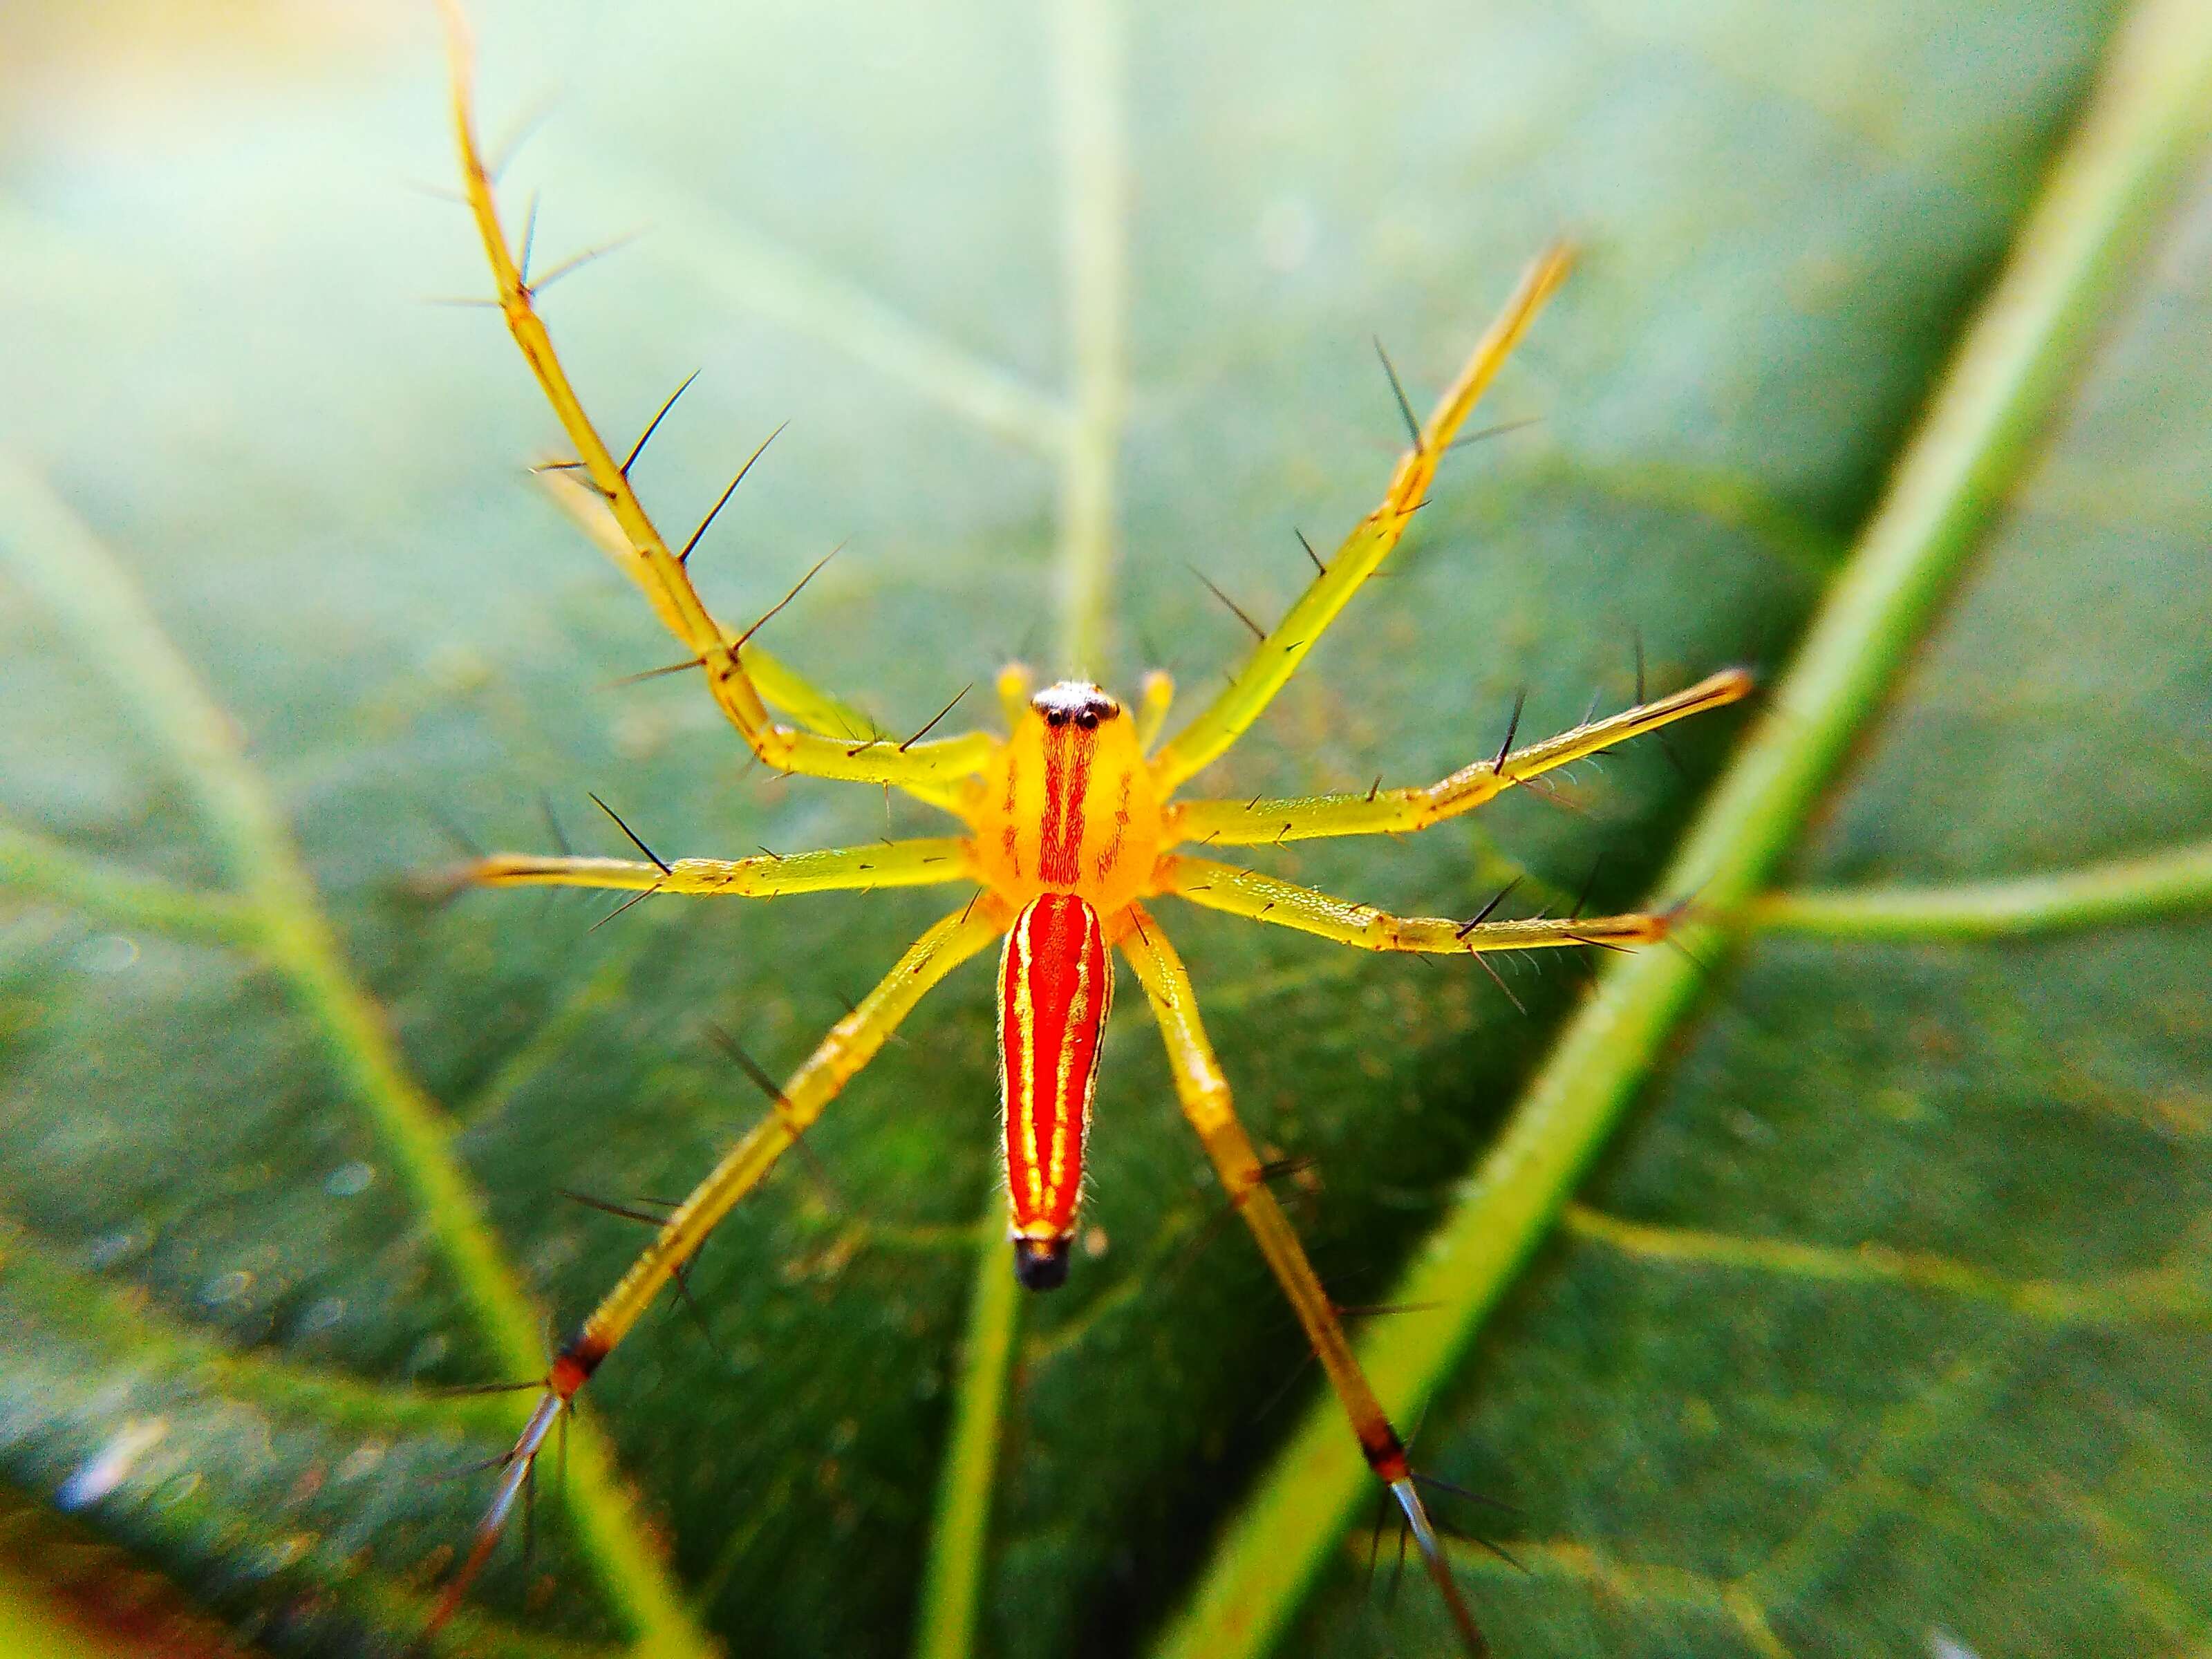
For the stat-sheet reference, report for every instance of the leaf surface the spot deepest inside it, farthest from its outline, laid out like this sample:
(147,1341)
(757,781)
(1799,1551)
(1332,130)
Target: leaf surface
(1878,1325)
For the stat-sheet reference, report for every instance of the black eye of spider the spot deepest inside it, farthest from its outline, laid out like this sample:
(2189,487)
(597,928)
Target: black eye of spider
(1056,717)
(1088,719)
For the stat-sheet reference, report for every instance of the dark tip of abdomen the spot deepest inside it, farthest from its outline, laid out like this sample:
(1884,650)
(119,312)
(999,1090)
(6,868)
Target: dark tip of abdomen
(1041,1263)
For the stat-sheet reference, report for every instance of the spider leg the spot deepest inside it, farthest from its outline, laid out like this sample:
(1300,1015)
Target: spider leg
(1157,697)
(1262,897)
(918,863)
(930,768)
(1394,811)
(780,685)
(1204,1096)
(1277,657)
(1014,684)
(851,1044)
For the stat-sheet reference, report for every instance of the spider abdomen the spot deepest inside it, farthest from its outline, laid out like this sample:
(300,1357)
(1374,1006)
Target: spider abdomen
(1055,986)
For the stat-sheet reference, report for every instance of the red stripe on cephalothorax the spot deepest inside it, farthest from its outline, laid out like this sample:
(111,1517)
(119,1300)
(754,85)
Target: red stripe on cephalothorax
(1111,855)
(1055,986)
(1068,752)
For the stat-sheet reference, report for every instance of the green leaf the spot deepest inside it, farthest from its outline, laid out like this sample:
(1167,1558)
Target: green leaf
(1877,1321)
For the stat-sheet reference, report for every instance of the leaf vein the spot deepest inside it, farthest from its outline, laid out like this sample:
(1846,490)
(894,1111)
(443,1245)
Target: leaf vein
(73,573)
(2015,359)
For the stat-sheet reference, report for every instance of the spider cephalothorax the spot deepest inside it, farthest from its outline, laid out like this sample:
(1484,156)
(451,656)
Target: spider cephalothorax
(1068,804)
(1067,826)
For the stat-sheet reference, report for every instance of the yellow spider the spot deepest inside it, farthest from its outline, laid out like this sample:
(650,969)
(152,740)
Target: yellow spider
(1069,825)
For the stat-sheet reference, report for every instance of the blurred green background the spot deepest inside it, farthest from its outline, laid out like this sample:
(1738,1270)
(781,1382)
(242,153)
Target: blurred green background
(1880,1325)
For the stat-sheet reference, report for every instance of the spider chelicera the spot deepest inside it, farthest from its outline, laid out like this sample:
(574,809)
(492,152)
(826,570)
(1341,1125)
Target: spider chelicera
(1070,824)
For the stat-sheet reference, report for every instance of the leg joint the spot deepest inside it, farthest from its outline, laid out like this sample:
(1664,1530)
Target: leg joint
(1384,1451)
(573,1365)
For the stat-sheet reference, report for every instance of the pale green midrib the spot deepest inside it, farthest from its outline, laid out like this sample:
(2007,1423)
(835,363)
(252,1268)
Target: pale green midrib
(952,1576)
(79,582)
(2150,110)
(2120,891)
(1088,72)
(1087,69)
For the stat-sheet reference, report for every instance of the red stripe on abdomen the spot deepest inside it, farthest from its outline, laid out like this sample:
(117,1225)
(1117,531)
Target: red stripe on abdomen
(1055,986)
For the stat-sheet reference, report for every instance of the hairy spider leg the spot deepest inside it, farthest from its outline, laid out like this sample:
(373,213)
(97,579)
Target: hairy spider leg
(780,685)
(1262,897)
(1276,658)
(850,1045)
(1204,1093)
(1014,684)
(918,863)
(1395,812)
(927,768)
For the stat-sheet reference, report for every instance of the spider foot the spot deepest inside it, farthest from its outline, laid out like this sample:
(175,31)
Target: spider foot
(517,1464)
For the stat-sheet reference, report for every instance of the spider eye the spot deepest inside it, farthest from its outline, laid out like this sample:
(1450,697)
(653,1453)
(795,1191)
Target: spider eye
(1088,719)
(1055,717)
